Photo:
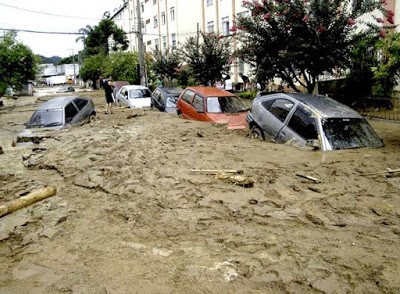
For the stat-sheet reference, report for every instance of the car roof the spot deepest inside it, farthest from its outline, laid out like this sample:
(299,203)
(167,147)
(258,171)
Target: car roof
(134,87)
(170,90)
(324,105)
(210,91)
(58,102)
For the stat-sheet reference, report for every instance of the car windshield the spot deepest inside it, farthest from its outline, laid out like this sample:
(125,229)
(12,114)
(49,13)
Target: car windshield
(348,133)
(139,93)
(46,118)
(231,104)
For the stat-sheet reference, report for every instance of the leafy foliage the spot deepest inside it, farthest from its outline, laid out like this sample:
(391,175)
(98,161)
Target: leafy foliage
(387,72)
(207,60)
(53,60)
(122,66)
(165,65)
(97,40)
(93,68)
(18,64)
(298,40)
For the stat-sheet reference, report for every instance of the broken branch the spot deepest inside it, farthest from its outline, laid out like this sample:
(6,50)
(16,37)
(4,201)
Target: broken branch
(315,180)
(216,171)
(27,200)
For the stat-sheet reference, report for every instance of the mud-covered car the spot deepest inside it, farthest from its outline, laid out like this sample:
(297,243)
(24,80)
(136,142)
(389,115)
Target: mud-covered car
(56,114)
(165,98)
(212,105)
(134,96)
(310,120)
(66,89)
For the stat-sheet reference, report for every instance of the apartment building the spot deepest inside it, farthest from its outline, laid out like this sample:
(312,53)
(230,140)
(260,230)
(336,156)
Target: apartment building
(168,23)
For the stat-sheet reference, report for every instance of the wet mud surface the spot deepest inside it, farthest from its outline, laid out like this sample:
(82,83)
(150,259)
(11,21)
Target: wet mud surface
(129,216)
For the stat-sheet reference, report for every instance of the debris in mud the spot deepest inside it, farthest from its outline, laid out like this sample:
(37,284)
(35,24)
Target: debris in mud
(134,115)
(33,139)
(1,150)
(387,172)
(240,180)
(315,180)
(27,200)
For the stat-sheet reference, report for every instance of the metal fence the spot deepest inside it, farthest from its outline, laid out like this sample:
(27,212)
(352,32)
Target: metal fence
(381,108)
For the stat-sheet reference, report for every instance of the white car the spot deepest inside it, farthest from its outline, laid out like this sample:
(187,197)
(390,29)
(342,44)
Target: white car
(134,96)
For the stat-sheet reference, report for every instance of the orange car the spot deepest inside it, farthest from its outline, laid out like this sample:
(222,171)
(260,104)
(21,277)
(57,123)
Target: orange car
(212,105)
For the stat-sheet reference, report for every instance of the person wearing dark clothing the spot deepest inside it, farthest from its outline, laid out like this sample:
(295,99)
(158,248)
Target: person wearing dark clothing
(108,86)
(246,81)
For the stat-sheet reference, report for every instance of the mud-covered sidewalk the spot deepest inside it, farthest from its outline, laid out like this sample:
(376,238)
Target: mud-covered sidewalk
(130,217)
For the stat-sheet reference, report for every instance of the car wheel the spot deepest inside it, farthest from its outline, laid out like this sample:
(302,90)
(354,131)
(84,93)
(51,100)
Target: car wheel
(256,133)
(92,118)
(179,113)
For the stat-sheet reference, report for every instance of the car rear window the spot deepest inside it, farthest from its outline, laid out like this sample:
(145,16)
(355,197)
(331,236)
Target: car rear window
(348,133)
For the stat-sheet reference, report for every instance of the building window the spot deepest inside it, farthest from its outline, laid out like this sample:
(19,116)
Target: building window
(225,26)
(154,2)
(163,18)
(155,21)
(149,42)
(210,27)
(156,44)
(209,2)
(142,7)
(173,38)
(172,13)
(164,40)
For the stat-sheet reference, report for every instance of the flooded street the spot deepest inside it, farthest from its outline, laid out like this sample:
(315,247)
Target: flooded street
(129,216)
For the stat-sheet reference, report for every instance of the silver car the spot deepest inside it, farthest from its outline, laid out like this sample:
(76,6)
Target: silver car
(58,113)
(310,120)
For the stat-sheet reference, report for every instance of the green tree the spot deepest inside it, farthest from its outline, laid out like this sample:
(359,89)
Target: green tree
(122,66)
(18,64)
(207,60)
(93,68)
(105,34)
(387,72)
(165,65)
(298,40)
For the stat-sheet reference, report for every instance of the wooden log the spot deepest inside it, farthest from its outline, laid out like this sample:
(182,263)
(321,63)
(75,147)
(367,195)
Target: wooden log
(32,197)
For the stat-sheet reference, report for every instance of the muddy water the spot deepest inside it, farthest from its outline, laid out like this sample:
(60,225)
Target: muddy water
(130,217)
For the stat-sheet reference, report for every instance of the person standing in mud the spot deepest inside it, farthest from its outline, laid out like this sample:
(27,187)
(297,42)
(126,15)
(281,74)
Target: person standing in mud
(108,86)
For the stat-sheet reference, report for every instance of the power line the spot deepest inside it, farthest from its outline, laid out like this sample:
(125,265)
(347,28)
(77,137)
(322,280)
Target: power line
(41,32)
(47,13)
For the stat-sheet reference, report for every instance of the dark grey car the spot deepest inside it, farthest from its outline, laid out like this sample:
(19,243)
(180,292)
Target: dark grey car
(165,98)
(310,120)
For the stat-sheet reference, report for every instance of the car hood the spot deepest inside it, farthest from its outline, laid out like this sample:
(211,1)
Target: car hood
(232,120)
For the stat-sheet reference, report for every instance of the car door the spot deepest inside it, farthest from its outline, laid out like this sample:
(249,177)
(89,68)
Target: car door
(156,100)
(301,126)
(274,115)
(122,96)
(84,112)
(70,114)
(184,104)
(197,111)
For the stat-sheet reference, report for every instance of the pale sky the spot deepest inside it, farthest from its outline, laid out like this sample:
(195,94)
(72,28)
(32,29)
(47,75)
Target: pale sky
(66,16)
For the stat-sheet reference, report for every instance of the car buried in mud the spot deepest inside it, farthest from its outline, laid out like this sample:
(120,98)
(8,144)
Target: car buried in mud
(134,96)
(310,120)
(211,104)
(56,114)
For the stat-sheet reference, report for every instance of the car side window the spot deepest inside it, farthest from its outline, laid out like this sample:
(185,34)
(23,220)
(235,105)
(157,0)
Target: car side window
(70,112)
(198,103)
(267,104)
(187,96)
(80,103)
(281,108)
(303,124)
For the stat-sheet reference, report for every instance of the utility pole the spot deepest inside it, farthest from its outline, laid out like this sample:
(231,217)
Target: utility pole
(140,45)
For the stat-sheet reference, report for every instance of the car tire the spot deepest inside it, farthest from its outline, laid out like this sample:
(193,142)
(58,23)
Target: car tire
(92,118)
(256,133)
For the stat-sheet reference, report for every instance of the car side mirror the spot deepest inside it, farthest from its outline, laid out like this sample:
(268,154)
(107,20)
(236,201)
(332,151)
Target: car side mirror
(313,143)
